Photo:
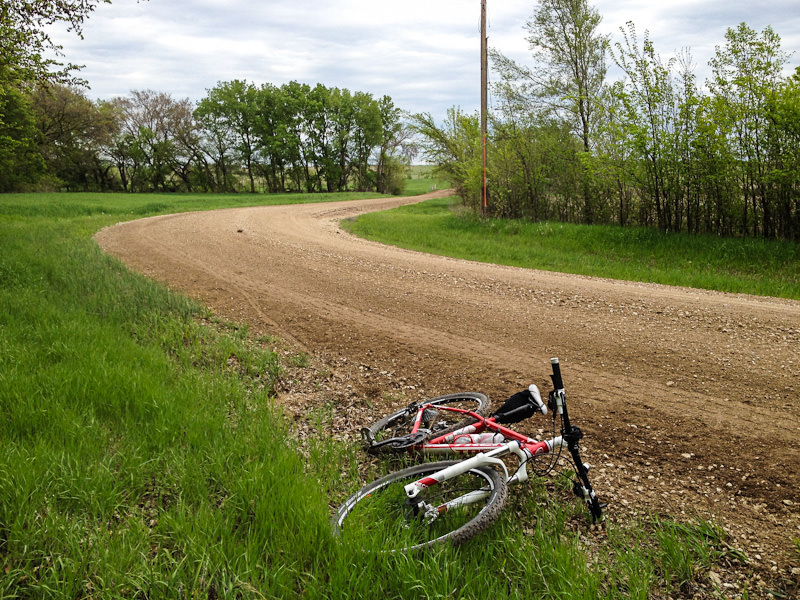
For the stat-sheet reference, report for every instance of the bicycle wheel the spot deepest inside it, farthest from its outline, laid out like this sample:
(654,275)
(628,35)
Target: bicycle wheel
(380,516)
(434,422)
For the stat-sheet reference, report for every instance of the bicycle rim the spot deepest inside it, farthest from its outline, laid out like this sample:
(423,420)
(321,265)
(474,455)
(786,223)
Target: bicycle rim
(438,422)
(380,518)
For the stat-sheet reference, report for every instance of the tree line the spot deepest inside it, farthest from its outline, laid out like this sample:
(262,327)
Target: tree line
(239,137)
(566,143)
(651,148)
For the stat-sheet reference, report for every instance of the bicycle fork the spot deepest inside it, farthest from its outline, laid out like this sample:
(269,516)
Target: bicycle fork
(581,486)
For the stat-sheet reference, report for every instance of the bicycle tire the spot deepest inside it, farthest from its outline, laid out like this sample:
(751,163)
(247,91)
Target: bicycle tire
(399,424)
(379,517)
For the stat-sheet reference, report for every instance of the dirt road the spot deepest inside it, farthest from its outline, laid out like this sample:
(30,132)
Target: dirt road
(690,399)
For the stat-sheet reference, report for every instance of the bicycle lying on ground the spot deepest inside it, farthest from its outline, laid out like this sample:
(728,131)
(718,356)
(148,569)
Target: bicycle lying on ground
(451,501)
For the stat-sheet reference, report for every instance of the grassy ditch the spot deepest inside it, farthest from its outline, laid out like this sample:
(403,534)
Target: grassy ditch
(750,266)
(143,456)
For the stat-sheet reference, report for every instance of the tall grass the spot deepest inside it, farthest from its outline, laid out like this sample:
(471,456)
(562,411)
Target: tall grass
(142,455)
(139,444)
(751,266)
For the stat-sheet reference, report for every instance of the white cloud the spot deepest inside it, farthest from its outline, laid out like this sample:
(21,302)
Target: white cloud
(422,53)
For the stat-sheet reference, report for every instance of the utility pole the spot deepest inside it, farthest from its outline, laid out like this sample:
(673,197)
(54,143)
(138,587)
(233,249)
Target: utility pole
(484,94)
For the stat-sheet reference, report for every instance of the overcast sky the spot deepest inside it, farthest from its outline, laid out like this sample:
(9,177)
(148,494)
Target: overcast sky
(422,53)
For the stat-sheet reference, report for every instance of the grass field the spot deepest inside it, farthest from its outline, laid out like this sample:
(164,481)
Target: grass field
(750,266)
(143,456)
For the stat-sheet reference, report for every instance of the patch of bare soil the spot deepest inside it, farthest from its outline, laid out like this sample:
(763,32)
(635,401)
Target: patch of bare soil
(690,400)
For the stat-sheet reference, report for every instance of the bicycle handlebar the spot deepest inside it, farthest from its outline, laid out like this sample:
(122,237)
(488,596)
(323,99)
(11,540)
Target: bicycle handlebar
(558,383)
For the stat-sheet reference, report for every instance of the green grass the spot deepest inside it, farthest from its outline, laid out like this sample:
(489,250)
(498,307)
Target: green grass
(750,266)
(70,205)
(142,455)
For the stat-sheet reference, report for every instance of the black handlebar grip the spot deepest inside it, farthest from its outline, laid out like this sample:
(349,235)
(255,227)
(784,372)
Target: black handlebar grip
(558,383)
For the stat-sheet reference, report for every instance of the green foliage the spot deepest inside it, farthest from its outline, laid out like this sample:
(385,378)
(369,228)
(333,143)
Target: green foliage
(25,28)
(455,149)
(240,137)
(72,132)
(20,161)
(567,46)
(650,149)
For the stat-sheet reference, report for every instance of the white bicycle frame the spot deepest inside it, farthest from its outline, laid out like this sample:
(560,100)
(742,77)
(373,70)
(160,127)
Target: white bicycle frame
(484,459)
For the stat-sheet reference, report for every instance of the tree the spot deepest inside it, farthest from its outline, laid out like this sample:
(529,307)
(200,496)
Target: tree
(784,116)
(20,160)
(566,45)
(455,148)
(292,133)
(648,98)
(235,105)
(569,73)
(73,132)
(147,147)
(395,152)
(746,72)
(25,41)
(218,140)
(270,132)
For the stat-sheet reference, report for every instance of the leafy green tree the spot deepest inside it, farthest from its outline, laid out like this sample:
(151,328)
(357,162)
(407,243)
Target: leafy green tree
(366,135)
(783,111)
(147,147)
(25,44)
(73,133)
(714,168)
(218,142)
(564,37)
(609,166)
(396,150)
(565,83)
(237,103)
(746,71)
(338,117)
(271,135)
(455,148)
(292,133)
(649,101)
(21,163)
(343,129)
(25,39)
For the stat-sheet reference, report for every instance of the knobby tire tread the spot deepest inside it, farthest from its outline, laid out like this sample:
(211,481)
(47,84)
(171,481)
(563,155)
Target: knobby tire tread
(488,514)
(482,409)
